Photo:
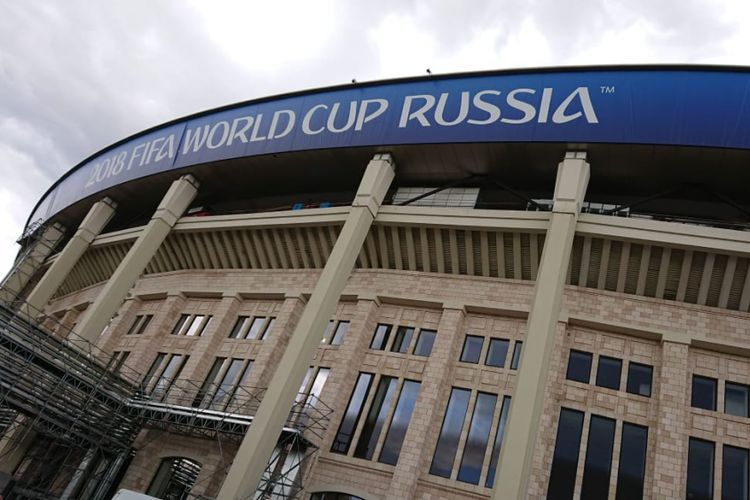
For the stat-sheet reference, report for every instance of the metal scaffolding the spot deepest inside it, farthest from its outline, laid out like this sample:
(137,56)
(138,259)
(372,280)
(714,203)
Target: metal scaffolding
(71,413)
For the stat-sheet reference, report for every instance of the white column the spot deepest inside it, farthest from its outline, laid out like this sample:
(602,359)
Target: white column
(514,467)
(179,196)
(93,224)
(256,448)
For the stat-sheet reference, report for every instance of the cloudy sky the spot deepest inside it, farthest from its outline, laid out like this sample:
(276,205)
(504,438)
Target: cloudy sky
(77,75)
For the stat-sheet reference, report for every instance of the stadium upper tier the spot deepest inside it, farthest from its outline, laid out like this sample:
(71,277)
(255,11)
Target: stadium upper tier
(673,141)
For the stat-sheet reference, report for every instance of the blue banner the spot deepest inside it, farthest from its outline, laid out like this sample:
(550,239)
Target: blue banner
(701,107)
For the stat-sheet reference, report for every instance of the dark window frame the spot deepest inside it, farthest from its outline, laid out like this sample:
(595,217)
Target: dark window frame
(596,476)
(634,364)
(477,439)
(418,343)
(446,437)
(746,388)
(392,443)
(701,378)
(503,362)
(404,336)
(383,345)
(515,360)
(626,483)
(337,337)
(693,469)
(467,339)
(571,366)
(343,446)
(239,325)
(600,382)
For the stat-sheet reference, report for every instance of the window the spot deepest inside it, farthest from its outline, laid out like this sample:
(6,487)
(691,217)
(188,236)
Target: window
(209,383)
(704,393)
(516,355)
(425,341)
(735,399)
(118,359)
(345,433)
(140,324)
(499,433)
(259,328)
(402,339)
(639,379)
(310,392)
(335,333)
(472,349)
(327,332)
(375,419)
(475,447)
(632,470)
(239,328)
(450,432)
(175,478)
(191,325)
(497,353)
(380,338)
(341,329)
(180,323)
(154,367)
(579,366)
(169,374)
(227,382)
(734,474)
(608,372)
(375,422)
(565,458)
(476,442)
(197,325)
(233,400)
(598,462)
(700,470)
(399,423)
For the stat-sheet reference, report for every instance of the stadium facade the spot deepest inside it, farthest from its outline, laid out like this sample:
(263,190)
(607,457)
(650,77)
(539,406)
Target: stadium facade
(517,284)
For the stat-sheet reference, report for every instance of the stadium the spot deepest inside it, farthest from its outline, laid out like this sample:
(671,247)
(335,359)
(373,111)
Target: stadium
(506,285)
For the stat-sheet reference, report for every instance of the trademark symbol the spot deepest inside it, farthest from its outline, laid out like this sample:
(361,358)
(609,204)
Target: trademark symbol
(606,89)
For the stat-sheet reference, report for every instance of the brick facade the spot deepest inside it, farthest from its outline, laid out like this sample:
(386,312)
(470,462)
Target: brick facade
(643,330)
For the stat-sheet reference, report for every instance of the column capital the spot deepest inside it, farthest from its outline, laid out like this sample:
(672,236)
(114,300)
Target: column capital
(571,183)
(453,305)
(375,183)
(177,199)
(96,219)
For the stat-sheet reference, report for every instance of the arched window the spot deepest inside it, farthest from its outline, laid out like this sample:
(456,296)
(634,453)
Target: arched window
(332,495)
(174,479)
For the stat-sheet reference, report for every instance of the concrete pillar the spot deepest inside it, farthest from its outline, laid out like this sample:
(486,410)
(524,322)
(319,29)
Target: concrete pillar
(260,440)
(93,224)
(179,196)
(29,262)
(673,420)
(514,467)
